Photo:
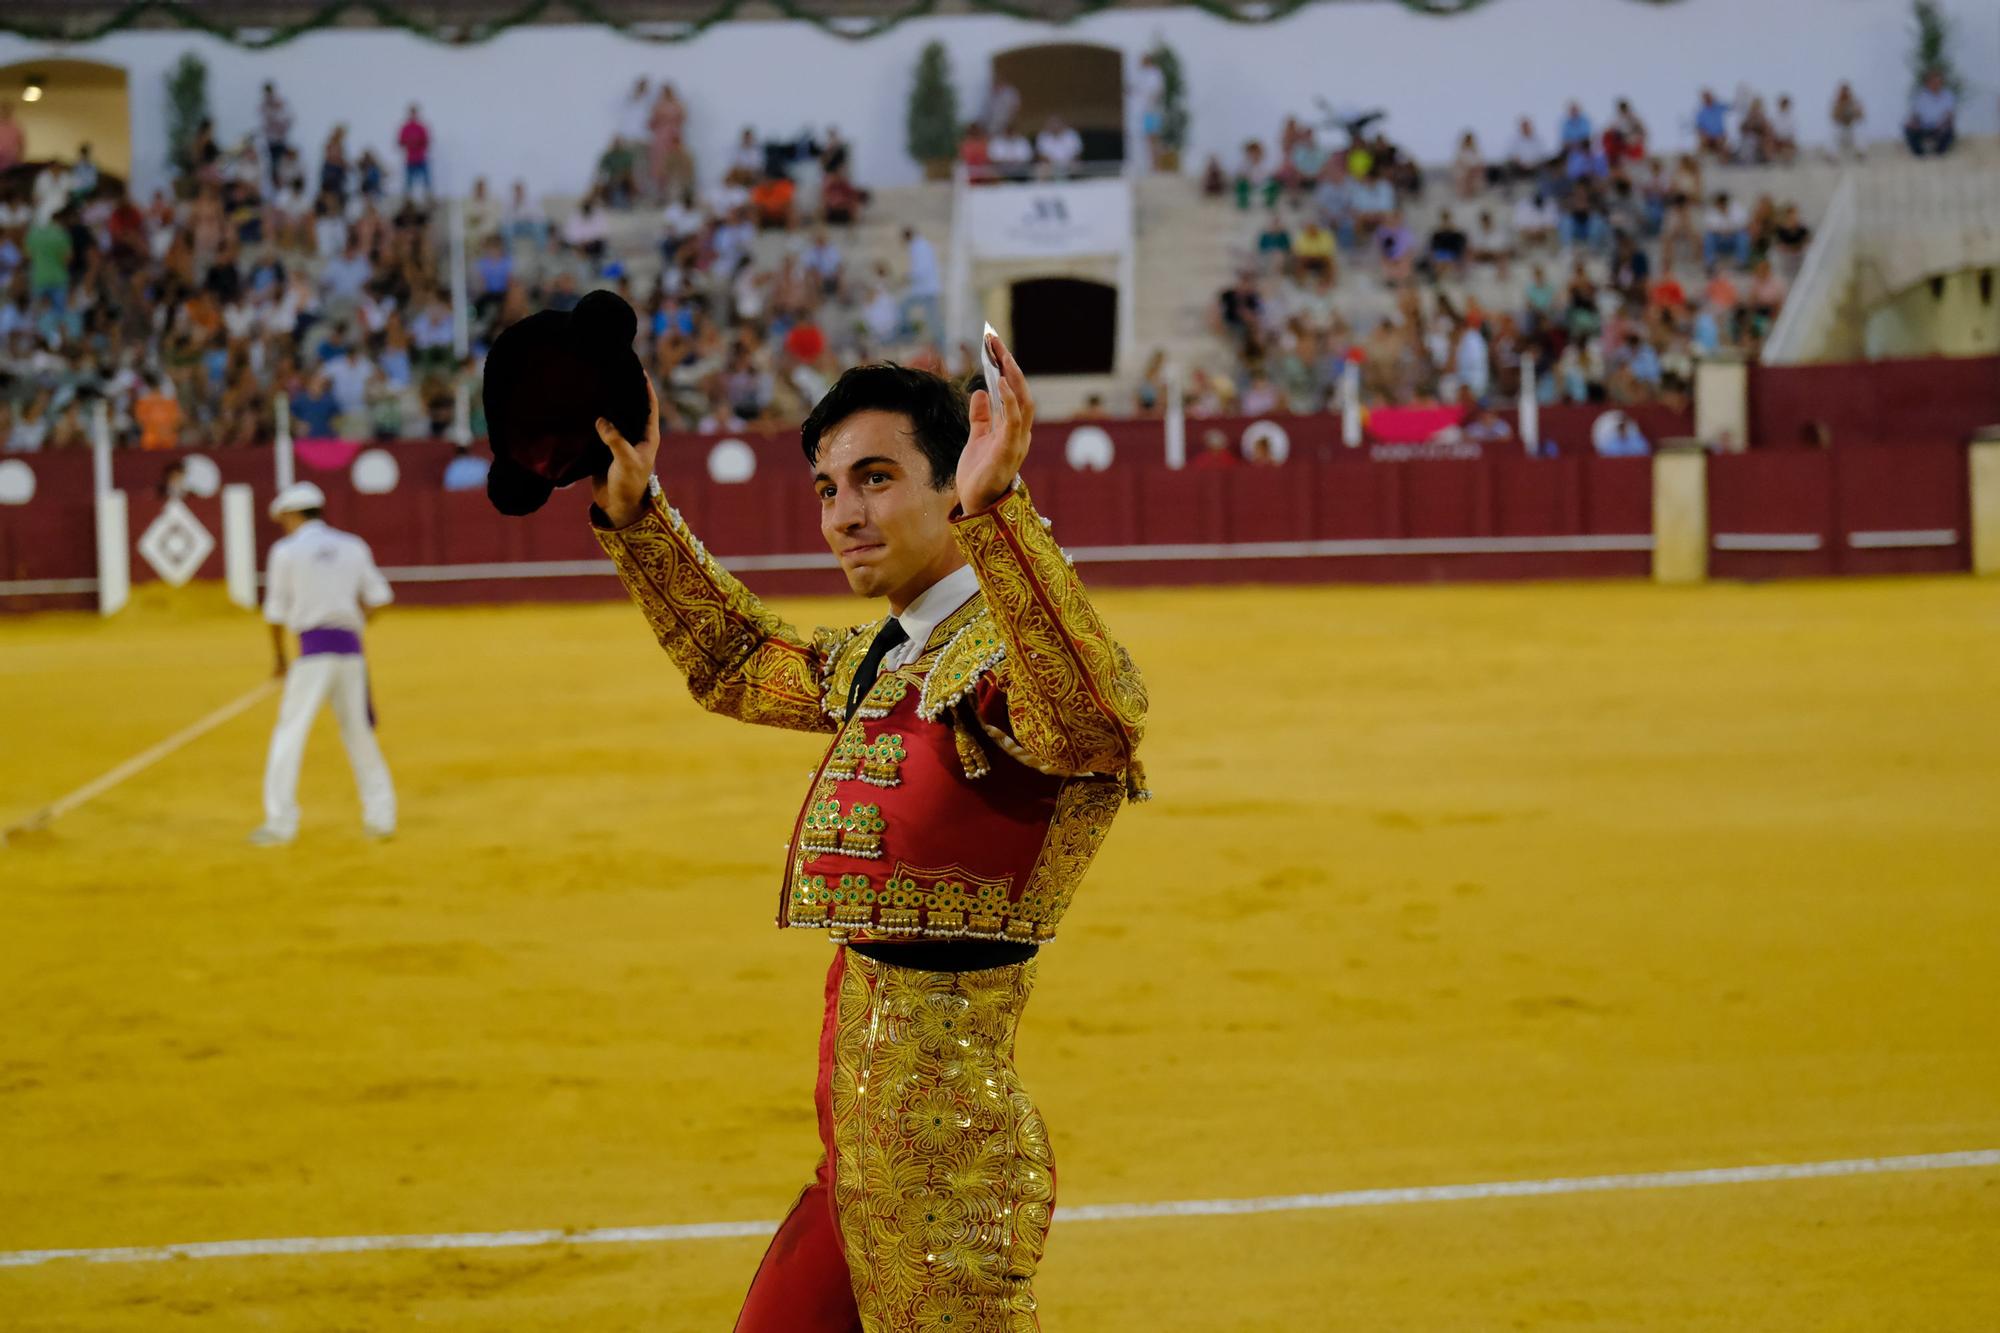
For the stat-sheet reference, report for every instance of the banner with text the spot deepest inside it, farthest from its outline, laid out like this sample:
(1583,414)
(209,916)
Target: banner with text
(1050,219)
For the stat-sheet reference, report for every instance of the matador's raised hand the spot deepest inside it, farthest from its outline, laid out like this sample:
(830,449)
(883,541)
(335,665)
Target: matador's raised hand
(998,444)
(621,492)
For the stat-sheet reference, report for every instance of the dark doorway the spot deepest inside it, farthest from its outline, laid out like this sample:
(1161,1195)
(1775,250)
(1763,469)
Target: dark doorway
(1065,326)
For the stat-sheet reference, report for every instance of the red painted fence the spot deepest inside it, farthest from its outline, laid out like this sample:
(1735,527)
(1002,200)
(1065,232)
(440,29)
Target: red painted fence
(1328,513)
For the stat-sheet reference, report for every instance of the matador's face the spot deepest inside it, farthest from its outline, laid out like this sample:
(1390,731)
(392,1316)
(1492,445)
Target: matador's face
(885,522)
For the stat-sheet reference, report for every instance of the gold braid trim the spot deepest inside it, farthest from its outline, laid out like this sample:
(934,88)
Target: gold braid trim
(739,658)
(1074,699)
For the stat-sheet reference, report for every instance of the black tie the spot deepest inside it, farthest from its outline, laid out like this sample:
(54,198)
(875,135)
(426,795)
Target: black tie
(886,638)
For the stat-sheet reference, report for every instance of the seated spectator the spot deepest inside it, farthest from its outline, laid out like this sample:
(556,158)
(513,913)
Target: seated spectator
(1313,248)
(1765,294)
(1666,293)
(1711,126)
(1790,238)
(523,222)
(1214,181)
(431,332)
(1448,246)
(1468,168)
(834,154)
(841,200)
(1618,436)
(345,277)
(1630,267)
(1254,177)
(1487,426)
(1638,373)
(1583,223)
(1241,313)
(822,259)
(1397,247)
(1260,452)
(71,430)
(1011,155)
(1490,243)
(1472,361)
(1932,126)
(1719,295)
(1274,242)
(1059,149)
(1527,155)
(494,271)
(1216,454)
(587,231)
(1705,331)
(617,180)
(1625,141)
(1374,202)
(1151,392)
(1585,161)
(972,153)
(1303,161)
(772,200)
(1575,128)
(1784,132)
(158,413)
(1260,396)
(466,471)
(1725,229)
(1753,133)
(746,164)
(1847,114)
(30,432)
(1535,220)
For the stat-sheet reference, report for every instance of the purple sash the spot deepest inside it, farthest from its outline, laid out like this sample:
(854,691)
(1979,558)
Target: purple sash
(313,642)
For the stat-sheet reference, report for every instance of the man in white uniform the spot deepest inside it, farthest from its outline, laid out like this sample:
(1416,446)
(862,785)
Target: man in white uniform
(322,585)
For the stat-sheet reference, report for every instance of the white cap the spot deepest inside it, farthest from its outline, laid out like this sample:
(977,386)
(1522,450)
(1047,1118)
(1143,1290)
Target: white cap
(299,495)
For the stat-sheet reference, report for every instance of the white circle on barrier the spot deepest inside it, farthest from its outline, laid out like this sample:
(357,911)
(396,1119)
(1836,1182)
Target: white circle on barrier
(1274,438)
(17,482)
(375,472)
(1089,449)
(200,475)
(731,461)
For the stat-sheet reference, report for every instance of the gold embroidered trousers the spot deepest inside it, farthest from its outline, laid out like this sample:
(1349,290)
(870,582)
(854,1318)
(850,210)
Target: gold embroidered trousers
(934,1198)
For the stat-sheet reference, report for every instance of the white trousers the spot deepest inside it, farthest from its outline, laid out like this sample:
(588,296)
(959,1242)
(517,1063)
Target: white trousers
(313,680)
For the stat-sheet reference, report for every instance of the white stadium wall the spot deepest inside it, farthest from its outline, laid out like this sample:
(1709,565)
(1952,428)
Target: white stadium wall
(539,102)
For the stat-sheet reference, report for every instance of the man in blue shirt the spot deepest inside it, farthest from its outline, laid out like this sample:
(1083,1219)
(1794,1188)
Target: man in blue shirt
(1576,127)
(466,471)
(313,410)
(1933,124)
(1711,125)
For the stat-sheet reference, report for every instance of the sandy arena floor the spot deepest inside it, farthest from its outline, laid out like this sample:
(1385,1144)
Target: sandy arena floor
(1443,886)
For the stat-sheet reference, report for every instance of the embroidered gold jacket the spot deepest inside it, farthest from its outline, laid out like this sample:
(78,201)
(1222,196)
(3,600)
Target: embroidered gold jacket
(969,792)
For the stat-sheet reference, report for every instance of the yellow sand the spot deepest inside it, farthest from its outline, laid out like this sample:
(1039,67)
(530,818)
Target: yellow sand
(1443,885)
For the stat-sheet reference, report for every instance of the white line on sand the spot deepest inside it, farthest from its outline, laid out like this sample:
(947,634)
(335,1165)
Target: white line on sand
(98,786)
(1112,1212)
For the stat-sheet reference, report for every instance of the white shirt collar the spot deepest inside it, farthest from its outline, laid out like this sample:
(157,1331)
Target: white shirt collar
(930,609)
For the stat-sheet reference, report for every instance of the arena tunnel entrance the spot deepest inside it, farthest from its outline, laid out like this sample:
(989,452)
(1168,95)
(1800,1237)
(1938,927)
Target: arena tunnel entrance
(1065,326)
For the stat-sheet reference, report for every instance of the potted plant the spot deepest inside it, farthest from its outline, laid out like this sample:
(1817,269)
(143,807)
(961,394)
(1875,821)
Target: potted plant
(1928,53)
(187,108)
(1173,106)
(932,121)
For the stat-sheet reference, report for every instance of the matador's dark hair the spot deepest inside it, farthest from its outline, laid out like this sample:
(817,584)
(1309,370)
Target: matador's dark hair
(936,407)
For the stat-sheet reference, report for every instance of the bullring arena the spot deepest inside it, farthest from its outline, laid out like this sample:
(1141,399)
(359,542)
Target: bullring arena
(1568,898)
